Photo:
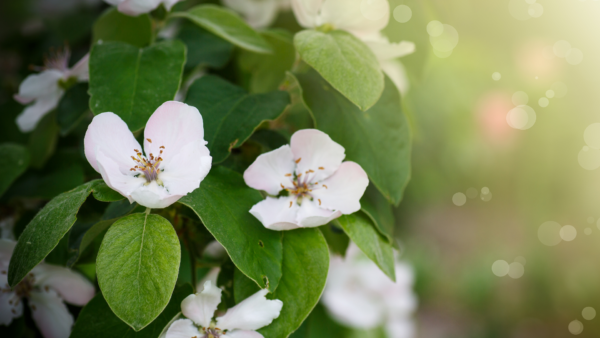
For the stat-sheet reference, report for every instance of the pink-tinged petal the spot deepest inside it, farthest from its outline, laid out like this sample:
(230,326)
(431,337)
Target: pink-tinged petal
(277,213)
(153,196)
(314,150)
(312,215)
(242,334)
(342,190)
(11,305)
(252,313)
(23,99)
(361,18)
(50,314)
(200,307)
(31,116)
(307,12)
(70,285)
(183,173)
(257,13)
(137,7)
(81,69)
(41,85)
(183,328)
(271,170)
(118,178)
(396,72)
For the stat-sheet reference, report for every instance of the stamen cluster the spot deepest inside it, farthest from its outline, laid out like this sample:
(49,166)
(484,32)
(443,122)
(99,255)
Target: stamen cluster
(148,166)
(302,184)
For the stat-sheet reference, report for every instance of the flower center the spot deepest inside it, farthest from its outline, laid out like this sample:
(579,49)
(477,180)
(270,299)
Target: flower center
(149,166)
(213,332)
(23,289)
(303,184)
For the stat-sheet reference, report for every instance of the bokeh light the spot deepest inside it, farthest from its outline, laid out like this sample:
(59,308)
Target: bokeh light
(549,93)
(496,76)
(520,98)
(574,56)
(402,13)
(459,199)
(522,117)
(568,233)
(575,327)
(500,268)
(435,28)
(589,158)
(543,102)
(516,270)
(443,38)
(561,48)
(591,135)
(549,233)
(588,313)
(374,9)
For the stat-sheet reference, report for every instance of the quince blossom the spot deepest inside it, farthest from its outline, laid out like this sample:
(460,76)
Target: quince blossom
(176,159)
(137,7)
(46,288)
(47,88)
(320,187)
(258,13)
(240,321)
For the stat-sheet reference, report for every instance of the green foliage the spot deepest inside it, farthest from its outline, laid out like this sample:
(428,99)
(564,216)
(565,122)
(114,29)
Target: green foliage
(336,239)
(103,193)
(133,82)
(227,25)
(116,26)
(374,205)
(320,325)
(14,160)
(96,320)
(91,241)
(42,142)
(203,47)
(345,62)
(230,114)
(378,139)
(137,267)
(72,107)
(222,202)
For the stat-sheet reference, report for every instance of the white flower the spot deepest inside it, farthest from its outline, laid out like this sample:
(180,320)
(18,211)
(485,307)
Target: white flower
(47,87)
(258,13)
(240,321)
(137,7)
(46,288)
(359,295)
(363,19)
(320,187)
(176,160)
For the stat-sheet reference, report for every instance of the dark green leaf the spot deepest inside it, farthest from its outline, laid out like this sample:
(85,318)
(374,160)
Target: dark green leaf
(379,209)
(223,202)
(345,62)
(96,320)
(227,25)
(72,107)
(121,208)
(90,242)
(377,139)
(137,267)
(42,141)
(104,193)
(14,160)
(133,82)
(336,239)
(9,132)
(320,325)
(203,47)
(243,287)
(113,25)
(230,114)
(47,184)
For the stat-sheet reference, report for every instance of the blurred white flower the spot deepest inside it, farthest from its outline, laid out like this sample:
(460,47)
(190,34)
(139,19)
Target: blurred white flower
(46,88)
(240,321)
(360,296)
(46,287)
(6,228)
(258,13)
(137,7)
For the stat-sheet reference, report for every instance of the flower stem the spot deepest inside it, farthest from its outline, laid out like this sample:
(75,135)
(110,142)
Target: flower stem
(148,211)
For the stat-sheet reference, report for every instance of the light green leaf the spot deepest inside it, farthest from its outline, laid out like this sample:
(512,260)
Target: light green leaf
(113,25)
(305,267)
(362,232)
(72,107)
(377,139)
(96,320)
(133,82)
(230,114)
(379,209)
(104,193)
(14,160)
(345,62)
(223,202)
(137,267)
(227,25)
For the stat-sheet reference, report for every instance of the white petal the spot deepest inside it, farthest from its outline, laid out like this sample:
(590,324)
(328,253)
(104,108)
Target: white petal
(200,307)
(31,116)
(314,150)
(184,172)
(137,7)
(183,328)
(50,314)
(269,170)
(395,70)
(81,69)
(258,13)
(6,250)
(113,2)
(277,213)
(400,328)
(311,215)
(361,18)
(152,195)
(169,3)
(242,334)
(307,12)
(71,286)
(385,50)
(344,188)
(117,177)
(10,305)
(252,313)
(41,85)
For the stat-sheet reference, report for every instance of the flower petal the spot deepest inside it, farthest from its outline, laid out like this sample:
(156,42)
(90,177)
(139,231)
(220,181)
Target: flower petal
(200,307)
(386,50)
(137,7)
(258,13)
(41,85)
(154,196)
(116,177)
(400,328)
(269,170)
(342,190)
(252,313)
(6,250)
(307,12)
(11,305)
(183,328)
(314,150)
(31,116)
(71,286)
(81,69)
(50,314)
(242,334)
(395,70)
(184,172)
(169,3)
(277,213)
(311,215)
(359,17)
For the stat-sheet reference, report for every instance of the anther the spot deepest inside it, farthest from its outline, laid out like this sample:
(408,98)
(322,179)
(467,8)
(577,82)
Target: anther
(298,160)
(319,201)
(149,140)
(282,187)
(161,147)
(321,168)
(288,175)
(291,203)
(311,171)
(325,186)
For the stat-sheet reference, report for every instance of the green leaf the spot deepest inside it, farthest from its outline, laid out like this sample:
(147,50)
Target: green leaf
(227,25)
(336,239)
(379,209)
(113,25)
(362,232)
(104,193)
(345,62)
(133,82)
(223,202)
(268,71)
(96,320)
(47,183)
(72,107)
(320,325)
(137,267)
(14,160)
(42,142)
(305,266)
(377,139)
(203,47)
(230,114)
(90,243)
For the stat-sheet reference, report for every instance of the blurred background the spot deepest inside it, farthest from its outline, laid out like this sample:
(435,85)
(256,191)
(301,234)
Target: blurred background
(500,219)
